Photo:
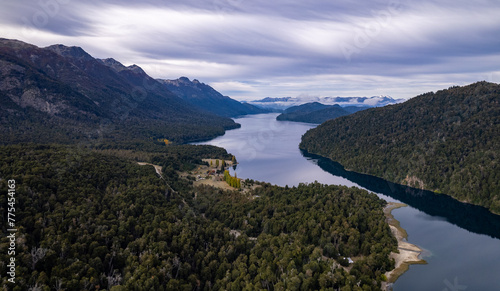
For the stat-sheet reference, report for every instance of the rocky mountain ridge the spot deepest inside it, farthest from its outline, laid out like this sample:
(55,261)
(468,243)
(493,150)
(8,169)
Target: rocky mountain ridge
(204,97)
(63,93)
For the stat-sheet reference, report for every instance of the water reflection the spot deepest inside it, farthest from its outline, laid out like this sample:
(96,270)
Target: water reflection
(473,218)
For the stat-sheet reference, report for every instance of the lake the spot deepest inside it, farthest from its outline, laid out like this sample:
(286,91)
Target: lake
(461,242)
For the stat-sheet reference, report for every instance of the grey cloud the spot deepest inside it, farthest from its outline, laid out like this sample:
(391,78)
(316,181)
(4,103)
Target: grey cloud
(286,40)
(59,17)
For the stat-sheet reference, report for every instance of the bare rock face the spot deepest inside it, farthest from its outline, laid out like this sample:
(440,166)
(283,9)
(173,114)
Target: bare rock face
(70,51)
(8,72)
(36,99)
(113,64)
(24,92)
(414,182)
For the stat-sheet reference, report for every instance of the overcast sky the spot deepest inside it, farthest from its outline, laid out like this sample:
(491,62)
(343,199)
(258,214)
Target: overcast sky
(255,49)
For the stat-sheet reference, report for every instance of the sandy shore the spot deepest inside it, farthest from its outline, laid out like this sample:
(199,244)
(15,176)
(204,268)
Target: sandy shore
(408,253)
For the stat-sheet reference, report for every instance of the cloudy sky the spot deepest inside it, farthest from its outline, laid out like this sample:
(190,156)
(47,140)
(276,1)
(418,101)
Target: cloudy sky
(254,49)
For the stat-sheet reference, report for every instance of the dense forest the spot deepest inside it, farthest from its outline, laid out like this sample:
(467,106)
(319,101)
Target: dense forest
(316,112)
(313,112)
(93,219)
(447,142)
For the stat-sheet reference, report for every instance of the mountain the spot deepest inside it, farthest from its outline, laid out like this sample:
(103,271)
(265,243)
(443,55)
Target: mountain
(312,113)
(305,108)
(207,98)
(276,99)
(353,109)
(282,103)
(374,101)
(447,142)
(62,94)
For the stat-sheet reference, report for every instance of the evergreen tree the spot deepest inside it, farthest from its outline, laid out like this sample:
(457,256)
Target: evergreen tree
(449,145)
(118,226)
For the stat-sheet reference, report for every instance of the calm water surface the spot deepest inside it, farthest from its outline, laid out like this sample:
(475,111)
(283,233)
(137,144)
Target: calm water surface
(461,242)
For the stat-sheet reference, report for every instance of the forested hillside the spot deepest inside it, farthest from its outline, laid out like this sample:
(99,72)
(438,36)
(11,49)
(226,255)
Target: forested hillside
(62,94)
(92,219)
(446,142)
(312,113)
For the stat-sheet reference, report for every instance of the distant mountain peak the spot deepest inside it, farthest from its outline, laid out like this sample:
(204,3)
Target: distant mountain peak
(70,51)
(136,69)
(119,67)
(15,44)
(113,64)
(185,82)
(281,103)
(273,99)
(207,98)
(182,81)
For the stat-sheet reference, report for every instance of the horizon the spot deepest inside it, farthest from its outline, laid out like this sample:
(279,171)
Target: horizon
(252,51)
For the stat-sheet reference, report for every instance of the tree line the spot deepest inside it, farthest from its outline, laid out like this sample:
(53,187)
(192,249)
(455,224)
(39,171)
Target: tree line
(232,181)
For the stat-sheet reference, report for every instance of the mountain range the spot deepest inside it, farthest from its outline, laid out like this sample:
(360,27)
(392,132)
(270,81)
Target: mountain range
(204,97)
(63,94)
(281,103)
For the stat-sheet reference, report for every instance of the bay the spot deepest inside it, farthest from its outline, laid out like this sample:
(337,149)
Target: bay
(461,242)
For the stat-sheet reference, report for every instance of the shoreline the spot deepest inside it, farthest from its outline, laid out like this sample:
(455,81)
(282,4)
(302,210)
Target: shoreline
(409,254)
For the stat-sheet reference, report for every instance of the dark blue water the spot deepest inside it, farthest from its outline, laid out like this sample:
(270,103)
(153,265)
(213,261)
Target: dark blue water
(461,241)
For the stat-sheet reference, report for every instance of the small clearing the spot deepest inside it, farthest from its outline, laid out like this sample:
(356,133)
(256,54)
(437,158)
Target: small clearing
(207,175)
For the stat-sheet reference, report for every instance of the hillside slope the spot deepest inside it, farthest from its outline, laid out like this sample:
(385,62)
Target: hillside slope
(312,113)
(62,94)
(204,97)
(446,142)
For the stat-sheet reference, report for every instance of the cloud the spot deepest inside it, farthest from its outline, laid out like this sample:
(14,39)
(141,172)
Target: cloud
(233,86)
(253,49)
